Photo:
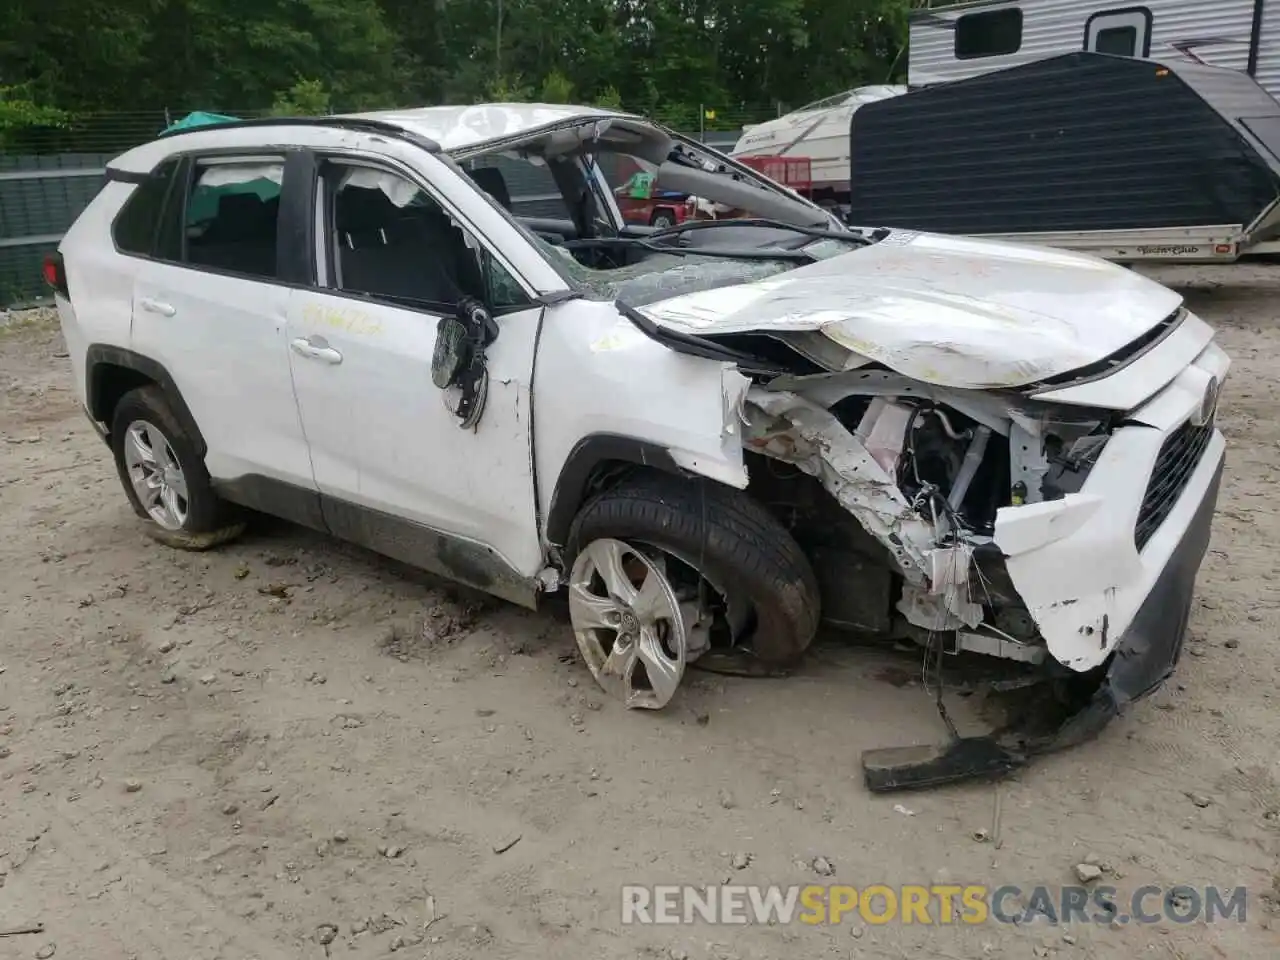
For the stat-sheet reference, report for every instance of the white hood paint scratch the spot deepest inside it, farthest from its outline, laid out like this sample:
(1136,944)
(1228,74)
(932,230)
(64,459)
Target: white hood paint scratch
(946,310)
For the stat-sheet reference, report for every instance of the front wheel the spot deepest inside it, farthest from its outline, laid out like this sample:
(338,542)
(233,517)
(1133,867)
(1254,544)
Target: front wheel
(662,567)
(663,220)
(164,478)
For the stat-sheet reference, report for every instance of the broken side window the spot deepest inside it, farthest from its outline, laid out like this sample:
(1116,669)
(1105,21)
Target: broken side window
(391,240)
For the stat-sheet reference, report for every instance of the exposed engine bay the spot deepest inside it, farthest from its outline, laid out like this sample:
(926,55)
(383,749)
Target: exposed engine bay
(922,473)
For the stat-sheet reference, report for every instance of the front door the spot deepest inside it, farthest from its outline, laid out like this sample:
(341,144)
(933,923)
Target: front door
(396,468)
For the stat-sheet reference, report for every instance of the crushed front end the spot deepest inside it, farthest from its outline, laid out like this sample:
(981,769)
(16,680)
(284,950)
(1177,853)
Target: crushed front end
(1058,525)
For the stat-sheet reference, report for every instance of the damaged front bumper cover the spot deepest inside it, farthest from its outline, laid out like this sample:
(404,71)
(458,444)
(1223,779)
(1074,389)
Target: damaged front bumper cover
(1143,658)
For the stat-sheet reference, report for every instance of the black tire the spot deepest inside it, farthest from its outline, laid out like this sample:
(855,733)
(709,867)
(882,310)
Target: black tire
(734,542)
(210,521)
(663,219)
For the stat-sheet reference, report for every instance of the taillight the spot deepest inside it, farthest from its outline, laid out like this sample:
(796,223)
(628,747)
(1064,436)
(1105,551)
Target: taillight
(55,274)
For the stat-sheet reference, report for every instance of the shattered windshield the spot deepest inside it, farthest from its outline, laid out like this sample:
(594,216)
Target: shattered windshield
(659,277)
(624,208)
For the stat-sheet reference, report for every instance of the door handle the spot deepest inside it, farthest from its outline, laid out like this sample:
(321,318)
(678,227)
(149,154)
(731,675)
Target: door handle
(315,351)
(156,306)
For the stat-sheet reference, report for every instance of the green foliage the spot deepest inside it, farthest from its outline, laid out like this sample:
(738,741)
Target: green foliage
(674,59)
(306,98)
(19,113)
(556,88)
(609,98)
(503,89)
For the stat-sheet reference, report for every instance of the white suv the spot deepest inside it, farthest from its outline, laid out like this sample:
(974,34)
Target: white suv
(713,435)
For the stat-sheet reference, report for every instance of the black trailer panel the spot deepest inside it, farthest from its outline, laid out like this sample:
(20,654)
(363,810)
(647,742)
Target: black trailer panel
(1079,142)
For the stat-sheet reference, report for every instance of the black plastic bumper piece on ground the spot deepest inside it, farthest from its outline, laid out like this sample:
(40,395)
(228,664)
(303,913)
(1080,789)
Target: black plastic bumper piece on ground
(1144,658)
(916,768)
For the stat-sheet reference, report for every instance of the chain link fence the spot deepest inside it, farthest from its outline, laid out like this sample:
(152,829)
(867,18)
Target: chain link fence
(48,176)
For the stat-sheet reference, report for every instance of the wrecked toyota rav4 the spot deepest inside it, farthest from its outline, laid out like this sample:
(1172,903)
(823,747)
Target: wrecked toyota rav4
(432,333)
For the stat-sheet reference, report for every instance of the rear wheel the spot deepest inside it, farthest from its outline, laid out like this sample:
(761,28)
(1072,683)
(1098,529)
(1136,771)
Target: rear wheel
(164,478)
(663,568)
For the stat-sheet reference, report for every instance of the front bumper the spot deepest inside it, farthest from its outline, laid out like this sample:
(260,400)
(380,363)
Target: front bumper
(1150,648)
(1142,657)
(1085,565)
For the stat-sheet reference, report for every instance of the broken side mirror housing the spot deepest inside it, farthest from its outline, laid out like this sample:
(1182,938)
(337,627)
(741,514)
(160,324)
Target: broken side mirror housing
(450,354)
(458,360)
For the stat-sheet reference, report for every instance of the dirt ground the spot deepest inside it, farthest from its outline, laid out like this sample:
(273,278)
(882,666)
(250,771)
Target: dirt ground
(217,755)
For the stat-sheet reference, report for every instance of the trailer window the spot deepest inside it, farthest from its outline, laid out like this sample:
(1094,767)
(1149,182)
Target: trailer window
(990,33)
(1121,33)
(1118,41)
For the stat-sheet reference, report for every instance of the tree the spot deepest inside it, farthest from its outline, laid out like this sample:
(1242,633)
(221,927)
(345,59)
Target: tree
(19,113)
(556,88)
(670,58)
(306,98)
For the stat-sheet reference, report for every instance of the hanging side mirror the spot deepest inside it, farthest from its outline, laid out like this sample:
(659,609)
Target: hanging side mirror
(458,360)
(450,354)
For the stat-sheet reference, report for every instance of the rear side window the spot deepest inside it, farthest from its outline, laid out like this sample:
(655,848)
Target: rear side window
(990,33)
(231,216)
(136,226)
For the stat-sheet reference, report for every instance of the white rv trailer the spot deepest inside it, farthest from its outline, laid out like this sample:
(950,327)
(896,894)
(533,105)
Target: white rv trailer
(819,132)
(959,40)
(955,41)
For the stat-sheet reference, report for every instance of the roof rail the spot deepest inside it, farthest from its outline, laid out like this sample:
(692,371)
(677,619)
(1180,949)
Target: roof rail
(356,124)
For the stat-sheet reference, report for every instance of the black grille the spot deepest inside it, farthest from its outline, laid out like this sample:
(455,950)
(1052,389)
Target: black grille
(1177,460)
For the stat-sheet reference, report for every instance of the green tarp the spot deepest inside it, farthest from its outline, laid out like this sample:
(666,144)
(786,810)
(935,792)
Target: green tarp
(199,119)
(640,187)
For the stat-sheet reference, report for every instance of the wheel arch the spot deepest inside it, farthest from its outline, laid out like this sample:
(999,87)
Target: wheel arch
(111,372)
(592,457)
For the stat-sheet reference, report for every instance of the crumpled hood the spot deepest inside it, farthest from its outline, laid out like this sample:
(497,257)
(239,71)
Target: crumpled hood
(951,311)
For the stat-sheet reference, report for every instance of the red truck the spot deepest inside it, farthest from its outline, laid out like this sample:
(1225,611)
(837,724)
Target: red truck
(642,200)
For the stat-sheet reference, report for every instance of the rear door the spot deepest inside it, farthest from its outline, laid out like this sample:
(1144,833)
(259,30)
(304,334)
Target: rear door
(211,308)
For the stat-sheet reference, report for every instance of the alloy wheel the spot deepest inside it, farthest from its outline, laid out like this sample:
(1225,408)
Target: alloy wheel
(628,623)
(156,475)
